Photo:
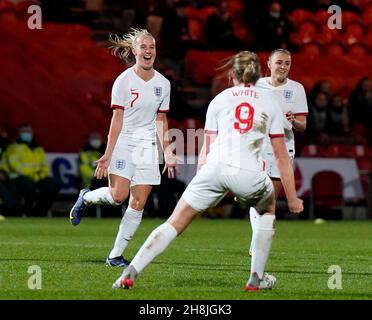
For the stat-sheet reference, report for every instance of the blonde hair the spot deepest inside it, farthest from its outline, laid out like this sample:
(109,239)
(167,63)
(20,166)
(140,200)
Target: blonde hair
(246,67)
(279,50)
(122,47)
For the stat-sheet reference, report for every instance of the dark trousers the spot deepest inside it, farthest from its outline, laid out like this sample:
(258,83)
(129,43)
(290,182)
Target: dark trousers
(8,199)
(35,198)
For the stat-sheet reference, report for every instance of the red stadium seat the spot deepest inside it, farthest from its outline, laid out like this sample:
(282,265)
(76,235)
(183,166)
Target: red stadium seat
(326,192)
(191,123)
(349,39)
(360,151)
(329,35)
(358,51)
(335,49)
(321,17)
(364,165)
(195,29)
(301,38)
(173,123)
(307,27)
(191,13)
(358,3)
(367,16)
(235,8)
(312,151)
(311,50)
(356,29)
(300,15)
(205,12)
(368,40)
(349,17)
(337,151)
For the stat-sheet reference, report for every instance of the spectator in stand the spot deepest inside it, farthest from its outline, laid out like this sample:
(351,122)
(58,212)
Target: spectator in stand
(218,30)
(321,86)
(26,164)
(4,140)
(177,97)
(360,103)
(318,117)
(175,33)
(55,10)
(8,202)
(274,29)
(337,117)
(360,106)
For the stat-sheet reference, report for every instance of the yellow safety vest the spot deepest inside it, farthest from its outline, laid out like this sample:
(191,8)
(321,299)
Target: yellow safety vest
(87,166)
(21,160)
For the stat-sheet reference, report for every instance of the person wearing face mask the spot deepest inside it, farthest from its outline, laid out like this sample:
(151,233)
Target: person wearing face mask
(28,169)
(274,29)
(218,30)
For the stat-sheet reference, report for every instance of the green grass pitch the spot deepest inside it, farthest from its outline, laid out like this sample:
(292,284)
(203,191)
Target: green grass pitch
(209,261)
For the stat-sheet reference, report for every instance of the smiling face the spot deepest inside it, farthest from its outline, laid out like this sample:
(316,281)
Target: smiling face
(145,52)
(279,65)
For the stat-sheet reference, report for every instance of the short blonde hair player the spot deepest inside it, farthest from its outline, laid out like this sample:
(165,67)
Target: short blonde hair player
(292,106)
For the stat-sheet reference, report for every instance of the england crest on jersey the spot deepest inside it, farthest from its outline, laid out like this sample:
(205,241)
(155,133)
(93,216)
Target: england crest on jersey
(157,91)
(288,94)
(120,164)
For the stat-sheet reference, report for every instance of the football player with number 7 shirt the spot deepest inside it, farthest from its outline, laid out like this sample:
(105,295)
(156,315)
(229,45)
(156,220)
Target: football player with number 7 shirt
(140,100)
(238,121)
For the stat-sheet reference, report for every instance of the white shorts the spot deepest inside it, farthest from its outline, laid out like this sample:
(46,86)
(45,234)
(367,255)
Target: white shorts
(213,181)
(137,163)
(270,164)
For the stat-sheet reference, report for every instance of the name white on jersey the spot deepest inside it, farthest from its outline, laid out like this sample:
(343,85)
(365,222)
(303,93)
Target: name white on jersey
(243,117)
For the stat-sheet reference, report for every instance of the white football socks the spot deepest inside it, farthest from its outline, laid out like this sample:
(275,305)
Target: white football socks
(154,245)
(128,227)
(100,196)
(252,217)
(261,242)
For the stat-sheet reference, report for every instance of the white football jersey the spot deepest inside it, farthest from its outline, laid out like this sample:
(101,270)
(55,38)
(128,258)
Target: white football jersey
(291,97)
(242,116)
(141,101)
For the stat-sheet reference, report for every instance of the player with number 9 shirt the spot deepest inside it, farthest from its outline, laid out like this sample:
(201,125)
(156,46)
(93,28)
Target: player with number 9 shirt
(237,122)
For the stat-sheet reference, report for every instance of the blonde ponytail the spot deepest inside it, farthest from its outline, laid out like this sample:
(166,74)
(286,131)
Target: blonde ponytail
(246,67)
(122,47)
